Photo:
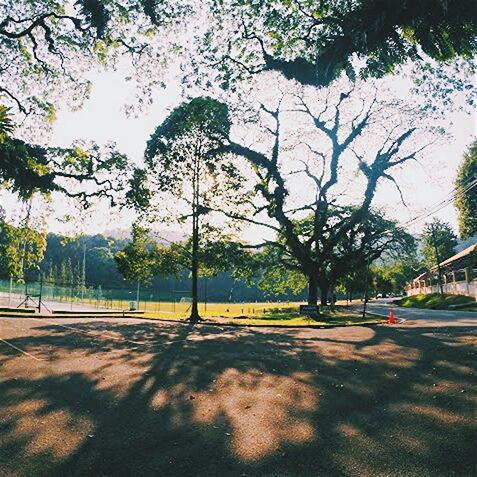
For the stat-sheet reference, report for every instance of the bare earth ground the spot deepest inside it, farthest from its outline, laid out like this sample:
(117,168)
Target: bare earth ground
(126,397)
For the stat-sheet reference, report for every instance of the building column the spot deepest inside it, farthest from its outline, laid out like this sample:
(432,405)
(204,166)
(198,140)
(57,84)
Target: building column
(468,278)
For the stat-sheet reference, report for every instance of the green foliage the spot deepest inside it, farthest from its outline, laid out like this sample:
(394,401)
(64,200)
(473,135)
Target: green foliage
(75,172)
(21,248)
(24,168)
(466,200)
(202,115)
(445,86)
(138,194)
(137,261)
(391,277)
(435,301)
(185,158)
(445,240)
(314,42)
(187,141)
(47,46)
(220,254)
(6,123)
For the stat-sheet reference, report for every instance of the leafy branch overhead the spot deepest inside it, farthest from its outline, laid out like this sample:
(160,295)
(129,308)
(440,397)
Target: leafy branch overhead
(314,42)
(75,172)
(46,47)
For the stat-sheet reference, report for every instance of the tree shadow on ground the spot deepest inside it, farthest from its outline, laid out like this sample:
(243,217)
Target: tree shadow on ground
(114,399)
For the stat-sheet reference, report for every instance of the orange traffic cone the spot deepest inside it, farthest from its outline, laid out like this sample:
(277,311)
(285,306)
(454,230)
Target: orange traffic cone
(392,317)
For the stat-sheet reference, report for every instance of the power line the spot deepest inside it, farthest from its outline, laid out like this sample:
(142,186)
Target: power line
(445,201)
(448,199)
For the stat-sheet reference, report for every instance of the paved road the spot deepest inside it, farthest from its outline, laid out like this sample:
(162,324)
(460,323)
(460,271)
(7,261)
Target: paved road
(129,397)
(446,317)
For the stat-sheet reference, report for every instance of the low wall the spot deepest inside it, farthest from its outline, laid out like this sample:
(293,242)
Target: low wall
(455,288)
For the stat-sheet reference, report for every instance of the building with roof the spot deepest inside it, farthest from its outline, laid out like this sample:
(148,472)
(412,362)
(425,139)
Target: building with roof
(459,276)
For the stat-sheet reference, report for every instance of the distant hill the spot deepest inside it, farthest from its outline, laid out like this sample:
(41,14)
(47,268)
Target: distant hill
(162,237)
(463,244)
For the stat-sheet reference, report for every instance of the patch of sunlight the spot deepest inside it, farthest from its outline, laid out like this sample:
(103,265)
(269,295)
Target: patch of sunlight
(265,411)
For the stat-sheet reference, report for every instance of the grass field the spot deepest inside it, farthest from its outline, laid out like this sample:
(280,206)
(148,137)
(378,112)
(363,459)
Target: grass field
(283,319)
(275,314)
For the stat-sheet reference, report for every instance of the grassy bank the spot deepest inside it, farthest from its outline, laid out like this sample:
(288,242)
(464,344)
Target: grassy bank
(281,316)
(436,301)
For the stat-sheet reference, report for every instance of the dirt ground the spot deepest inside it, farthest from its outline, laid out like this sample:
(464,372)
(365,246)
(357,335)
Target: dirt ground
(125,397)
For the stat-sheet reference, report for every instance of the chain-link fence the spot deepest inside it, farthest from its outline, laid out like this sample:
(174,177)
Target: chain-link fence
(73,296)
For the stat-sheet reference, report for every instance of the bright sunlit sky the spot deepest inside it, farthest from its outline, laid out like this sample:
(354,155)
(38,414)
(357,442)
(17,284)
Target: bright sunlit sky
(103,118)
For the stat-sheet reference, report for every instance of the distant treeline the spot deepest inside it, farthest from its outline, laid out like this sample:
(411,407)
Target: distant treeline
(64,259)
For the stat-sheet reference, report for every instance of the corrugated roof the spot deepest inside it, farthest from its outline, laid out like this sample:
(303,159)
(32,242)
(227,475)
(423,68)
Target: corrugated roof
(457,256)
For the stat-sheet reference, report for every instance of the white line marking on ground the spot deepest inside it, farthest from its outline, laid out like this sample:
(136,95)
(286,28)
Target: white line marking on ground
(21,351)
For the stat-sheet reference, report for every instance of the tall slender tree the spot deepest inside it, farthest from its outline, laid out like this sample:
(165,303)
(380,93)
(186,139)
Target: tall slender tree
(184,161)
(438,242)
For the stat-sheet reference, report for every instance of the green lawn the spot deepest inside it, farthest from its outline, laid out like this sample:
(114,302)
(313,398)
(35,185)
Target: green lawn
(436,301)
(280,316)
(255,314)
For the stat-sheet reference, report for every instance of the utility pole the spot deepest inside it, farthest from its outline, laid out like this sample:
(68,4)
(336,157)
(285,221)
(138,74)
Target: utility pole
(41,293)
(366,287)
(137,295)
(439,271)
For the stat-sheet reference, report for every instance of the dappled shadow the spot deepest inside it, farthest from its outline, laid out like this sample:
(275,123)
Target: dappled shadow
(137,398)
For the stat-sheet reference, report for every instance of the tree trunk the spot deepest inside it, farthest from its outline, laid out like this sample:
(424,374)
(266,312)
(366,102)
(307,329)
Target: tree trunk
(332,298)
(312,289)
(194,312)
(324,290)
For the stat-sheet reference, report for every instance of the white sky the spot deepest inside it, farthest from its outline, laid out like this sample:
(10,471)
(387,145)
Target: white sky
(103,119)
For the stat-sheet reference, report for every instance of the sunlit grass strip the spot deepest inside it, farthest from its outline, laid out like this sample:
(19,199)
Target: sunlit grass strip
(276,317)
(436,301)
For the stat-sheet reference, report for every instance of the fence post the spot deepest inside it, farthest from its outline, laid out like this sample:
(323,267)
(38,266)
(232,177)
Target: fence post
(41,290)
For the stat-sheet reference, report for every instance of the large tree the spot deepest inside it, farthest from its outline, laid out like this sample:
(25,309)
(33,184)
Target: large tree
(355,138)
(371,238)
(185,162)
(466,197)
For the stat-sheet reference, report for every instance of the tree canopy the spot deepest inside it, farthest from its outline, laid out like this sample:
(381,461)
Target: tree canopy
(185,160)
(349,134)
(438,234)
(46,47)
(313,42)
(466,198)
